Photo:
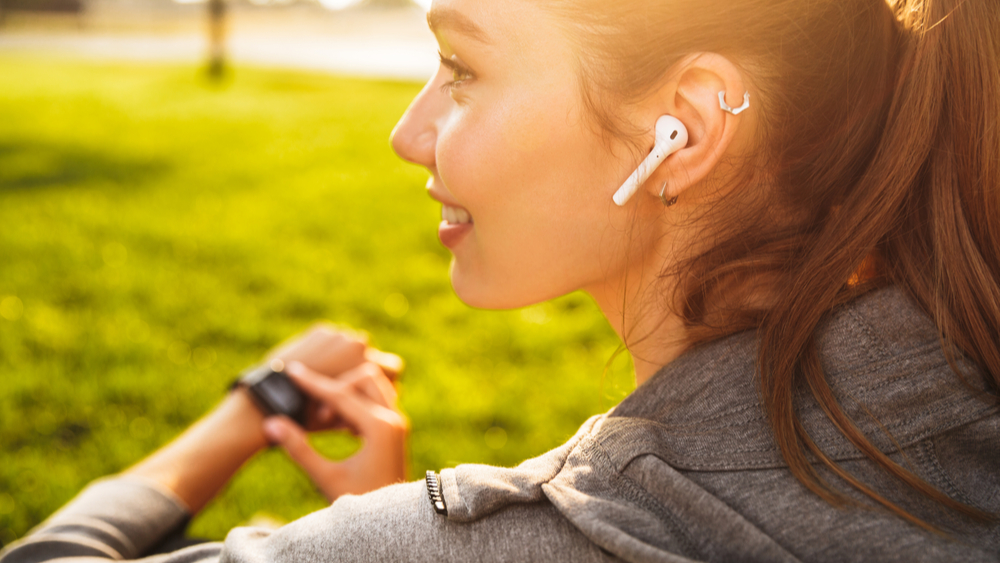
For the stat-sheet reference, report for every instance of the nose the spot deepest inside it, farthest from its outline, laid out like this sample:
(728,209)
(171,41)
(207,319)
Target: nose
(415,136)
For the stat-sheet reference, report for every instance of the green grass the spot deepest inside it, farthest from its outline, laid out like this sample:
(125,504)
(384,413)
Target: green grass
(157,235)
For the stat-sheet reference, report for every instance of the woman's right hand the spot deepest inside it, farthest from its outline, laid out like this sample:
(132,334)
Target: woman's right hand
(362,400)
(332,350)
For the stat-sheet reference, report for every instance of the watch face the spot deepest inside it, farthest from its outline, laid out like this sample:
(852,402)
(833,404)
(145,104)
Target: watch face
(282,395)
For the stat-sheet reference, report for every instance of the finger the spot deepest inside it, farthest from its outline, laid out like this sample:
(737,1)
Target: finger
(358,411)
(325,348)
(283,432)
(340,355)
(314,384)
(325,414)
(386,389)
(391,364)
(364,416)
(370,380)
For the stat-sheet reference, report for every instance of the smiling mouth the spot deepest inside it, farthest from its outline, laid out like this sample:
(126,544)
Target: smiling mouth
(455,215)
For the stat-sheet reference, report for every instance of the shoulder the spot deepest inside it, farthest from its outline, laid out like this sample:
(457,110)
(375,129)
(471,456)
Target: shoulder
(398,523)
(695,445)
(882,357)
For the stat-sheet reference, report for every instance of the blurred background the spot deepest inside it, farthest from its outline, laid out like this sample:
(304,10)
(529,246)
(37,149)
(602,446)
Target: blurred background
(185,185)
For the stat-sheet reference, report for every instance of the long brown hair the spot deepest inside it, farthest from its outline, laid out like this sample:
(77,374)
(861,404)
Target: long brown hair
(879,143)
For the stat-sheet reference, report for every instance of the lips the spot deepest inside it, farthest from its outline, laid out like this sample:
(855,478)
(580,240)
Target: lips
(451,234)
(456,221)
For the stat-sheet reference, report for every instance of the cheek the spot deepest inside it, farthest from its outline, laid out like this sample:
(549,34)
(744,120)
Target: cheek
(524,150)
(532,179)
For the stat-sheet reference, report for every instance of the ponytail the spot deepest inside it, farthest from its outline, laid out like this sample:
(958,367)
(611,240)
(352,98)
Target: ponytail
(953,268)
(927,209)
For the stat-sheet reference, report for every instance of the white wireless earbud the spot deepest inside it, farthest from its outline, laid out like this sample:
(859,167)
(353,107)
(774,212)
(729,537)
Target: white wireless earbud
(670,136)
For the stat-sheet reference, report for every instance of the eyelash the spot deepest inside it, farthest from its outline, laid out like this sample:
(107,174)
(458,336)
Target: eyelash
(457,69)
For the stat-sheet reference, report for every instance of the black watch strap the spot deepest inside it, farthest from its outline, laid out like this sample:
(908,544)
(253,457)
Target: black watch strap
(274,392)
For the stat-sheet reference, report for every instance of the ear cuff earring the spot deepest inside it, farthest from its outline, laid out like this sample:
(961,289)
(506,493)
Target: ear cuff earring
(736,111)
(666,202)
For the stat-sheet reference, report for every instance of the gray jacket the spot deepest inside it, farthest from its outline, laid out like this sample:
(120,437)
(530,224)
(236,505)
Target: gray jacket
(685,469)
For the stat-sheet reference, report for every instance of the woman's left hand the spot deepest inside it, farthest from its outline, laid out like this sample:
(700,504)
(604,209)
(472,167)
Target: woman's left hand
(363,400)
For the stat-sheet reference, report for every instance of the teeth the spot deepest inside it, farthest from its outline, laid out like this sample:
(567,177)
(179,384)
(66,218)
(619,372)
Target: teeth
(455,215)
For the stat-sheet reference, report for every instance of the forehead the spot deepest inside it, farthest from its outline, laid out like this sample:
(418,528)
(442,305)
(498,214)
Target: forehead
(518,54)
(497,23)
(447,19)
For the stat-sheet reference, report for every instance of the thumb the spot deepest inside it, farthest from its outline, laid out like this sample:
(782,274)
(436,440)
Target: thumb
(283,432)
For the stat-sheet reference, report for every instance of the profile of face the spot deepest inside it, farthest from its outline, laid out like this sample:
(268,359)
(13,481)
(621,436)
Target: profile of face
(524,178)
(525,174)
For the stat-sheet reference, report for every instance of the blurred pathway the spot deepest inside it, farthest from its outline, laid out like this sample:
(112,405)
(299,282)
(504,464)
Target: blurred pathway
(392,44)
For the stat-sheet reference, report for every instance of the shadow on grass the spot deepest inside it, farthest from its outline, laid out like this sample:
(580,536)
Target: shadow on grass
(27,165)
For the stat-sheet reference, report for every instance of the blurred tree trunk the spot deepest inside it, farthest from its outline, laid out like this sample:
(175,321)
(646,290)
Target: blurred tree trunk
(216,38)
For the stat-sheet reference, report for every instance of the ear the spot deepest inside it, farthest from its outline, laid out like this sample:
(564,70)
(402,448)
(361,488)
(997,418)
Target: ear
(692,96)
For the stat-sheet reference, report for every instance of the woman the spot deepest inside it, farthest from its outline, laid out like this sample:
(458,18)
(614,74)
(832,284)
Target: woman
(808,287)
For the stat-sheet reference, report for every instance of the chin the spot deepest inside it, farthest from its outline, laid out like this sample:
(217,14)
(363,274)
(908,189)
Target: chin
(480,291)
(486,292)
(472,291)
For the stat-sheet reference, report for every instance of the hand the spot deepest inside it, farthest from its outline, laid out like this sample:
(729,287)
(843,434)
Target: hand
(331,350)
(198,463)
(363,400)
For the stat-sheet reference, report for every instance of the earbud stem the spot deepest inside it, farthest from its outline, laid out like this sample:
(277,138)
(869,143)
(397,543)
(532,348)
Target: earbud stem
(671,135)
(638,178)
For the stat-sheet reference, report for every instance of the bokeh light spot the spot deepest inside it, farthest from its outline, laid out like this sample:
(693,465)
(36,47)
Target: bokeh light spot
(537,314)
(6,503)
(11,308)
(203,358)
(140,428)
(396,305)
(114,417)
(496,438)
(45,423)
(179,353)
(28,481)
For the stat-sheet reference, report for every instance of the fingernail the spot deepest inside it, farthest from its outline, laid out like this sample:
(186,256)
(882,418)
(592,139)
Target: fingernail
(294,368)
(274,430)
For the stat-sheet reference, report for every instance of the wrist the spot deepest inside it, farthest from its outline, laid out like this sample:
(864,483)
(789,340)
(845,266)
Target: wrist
(239,413)
(199,462)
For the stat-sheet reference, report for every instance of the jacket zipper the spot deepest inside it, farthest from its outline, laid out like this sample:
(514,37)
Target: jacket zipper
(436,494)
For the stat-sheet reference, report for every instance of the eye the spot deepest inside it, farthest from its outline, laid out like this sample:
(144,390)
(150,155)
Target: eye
(459,73)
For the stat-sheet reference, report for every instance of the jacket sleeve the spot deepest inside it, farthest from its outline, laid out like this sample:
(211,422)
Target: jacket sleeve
(113,518)
(122,518)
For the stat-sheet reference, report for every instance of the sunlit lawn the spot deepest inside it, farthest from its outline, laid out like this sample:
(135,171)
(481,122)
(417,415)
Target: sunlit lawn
(157,235)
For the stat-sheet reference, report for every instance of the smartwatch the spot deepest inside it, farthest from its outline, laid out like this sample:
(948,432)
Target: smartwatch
(273,391)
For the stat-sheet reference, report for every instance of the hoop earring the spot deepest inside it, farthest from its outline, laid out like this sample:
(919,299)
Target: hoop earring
(663,198)
(736,111)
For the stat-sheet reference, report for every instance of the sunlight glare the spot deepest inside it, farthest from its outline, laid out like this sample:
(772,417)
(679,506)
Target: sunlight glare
(338,4)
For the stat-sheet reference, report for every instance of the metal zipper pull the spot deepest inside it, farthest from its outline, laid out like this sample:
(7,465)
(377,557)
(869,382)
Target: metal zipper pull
(435,493)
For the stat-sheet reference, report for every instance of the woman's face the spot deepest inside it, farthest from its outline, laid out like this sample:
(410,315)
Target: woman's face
(525,179)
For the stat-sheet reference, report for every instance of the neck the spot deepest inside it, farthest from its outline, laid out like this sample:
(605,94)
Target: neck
(637,306)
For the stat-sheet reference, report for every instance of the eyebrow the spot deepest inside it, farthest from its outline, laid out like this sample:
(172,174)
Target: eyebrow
(446,18)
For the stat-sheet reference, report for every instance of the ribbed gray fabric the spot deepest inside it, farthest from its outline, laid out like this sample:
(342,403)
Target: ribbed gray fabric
(685,469)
